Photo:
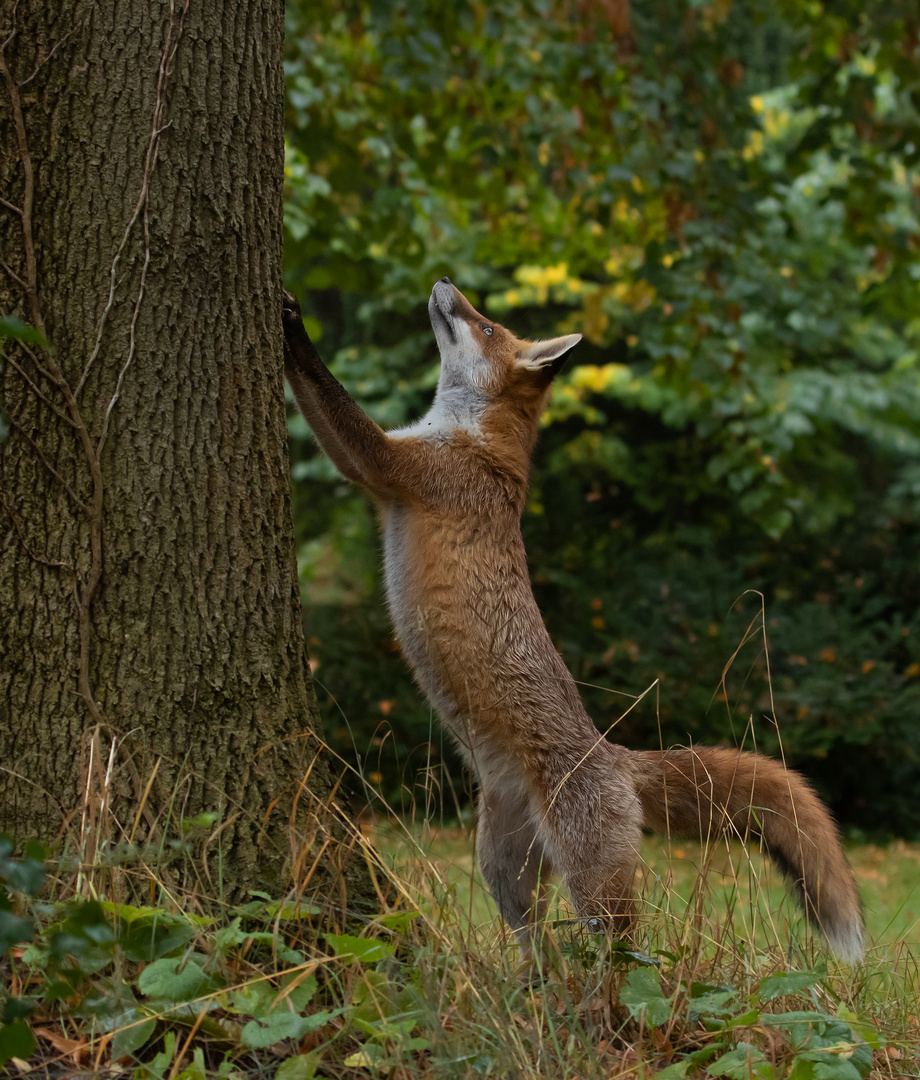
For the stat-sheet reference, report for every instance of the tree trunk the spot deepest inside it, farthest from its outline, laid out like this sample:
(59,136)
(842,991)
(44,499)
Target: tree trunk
(153,671)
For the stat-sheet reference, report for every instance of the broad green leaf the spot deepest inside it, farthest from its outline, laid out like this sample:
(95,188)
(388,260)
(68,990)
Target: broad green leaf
(365,950)
(863,1029)
(255,999)
(300,1067)
(643,997)
(132,1032)
(258,1034)
(793,982)
(838,1069)
(16,1008)
(175,979)
(14,930)
(677,1070)
(129,913)
(714,1003)
(301,993)
(148,938)
(16,1040)
(744,1062)
(21,875)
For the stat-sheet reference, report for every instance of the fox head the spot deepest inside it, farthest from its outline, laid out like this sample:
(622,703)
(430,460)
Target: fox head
(484,359)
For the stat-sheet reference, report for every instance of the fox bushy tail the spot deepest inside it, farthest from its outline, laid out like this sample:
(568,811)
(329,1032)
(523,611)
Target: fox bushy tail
(711,791)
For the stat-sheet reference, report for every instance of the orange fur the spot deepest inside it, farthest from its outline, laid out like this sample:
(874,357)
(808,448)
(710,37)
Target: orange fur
(554,794)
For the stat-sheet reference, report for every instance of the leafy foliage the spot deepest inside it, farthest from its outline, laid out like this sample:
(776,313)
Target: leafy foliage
(831,1047)
(723,198)
(160,993)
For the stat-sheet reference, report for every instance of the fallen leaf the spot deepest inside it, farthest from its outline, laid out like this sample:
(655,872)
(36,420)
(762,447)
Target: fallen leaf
(75,1048)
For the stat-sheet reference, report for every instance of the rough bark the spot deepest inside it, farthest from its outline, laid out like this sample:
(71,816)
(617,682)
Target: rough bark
(148,593)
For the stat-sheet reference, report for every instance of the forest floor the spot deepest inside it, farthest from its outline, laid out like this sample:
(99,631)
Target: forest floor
(723,979)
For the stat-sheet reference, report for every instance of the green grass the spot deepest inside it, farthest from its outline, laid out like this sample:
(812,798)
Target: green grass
(676,877)
(434,986)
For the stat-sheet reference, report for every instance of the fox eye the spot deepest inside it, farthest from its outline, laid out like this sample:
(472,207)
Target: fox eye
(486,329)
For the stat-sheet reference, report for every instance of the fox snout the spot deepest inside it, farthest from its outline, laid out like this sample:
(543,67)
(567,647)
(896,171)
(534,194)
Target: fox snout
(441,306)
(448,304)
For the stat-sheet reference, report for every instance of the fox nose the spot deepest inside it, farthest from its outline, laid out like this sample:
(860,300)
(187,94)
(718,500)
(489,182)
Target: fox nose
(446,280)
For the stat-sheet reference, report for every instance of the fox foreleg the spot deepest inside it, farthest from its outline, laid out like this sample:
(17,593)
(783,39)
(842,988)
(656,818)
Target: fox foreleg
(358,447)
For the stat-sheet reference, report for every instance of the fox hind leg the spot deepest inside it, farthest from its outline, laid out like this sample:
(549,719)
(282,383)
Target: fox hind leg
(512,857)
(593,832)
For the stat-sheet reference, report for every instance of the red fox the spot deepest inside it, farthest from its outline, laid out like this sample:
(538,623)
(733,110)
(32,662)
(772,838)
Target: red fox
(554,794)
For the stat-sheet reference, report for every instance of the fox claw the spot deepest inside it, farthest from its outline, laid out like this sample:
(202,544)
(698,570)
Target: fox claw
(289,304)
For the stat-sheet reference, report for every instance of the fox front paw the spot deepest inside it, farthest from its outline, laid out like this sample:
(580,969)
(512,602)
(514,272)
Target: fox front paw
(290,313)
(299,351)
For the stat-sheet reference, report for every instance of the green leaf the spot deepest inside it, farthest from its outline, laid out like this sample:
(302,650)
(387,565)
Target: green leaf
(158,1068)
(714,1003)
(742,1063)
(259,999)
(301,994)
(148,938)
(16,1040)
(254,999)
(16,1008)
(300,1067)
(293,909)
(864,1029)
(11,326)
(642,995)
(175,979)
(619,951)
(14,930)
(693,1061)
(229,936)
(400,921)
(675,1071)
(131,1033)
(21,875)
(368,1057)
(801,1070)
(258,1034)
(794,982)
(837,1069)
(364,950)
(129,913)
(797,1021)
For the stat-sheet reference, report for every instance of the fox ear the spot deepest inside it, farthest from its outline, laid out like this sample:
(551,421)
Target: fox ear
(541,355)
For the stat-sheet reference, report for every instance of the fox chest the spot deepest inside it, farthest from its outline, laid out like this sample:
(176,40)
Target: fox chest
(424,593)
(441,605)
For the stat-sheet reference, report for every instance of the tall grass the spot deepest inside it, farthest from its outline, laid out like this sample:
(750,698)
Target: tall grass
(132,975)
(139,966)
